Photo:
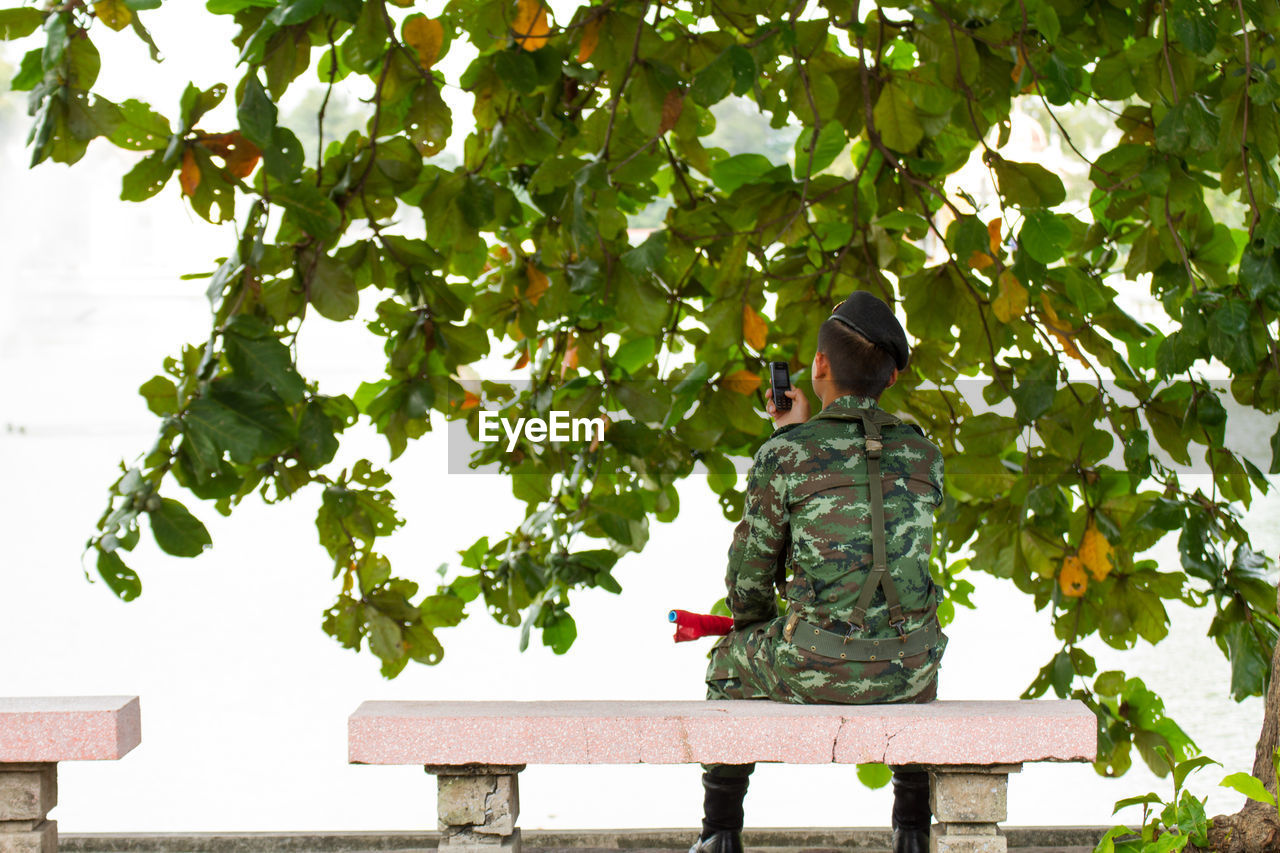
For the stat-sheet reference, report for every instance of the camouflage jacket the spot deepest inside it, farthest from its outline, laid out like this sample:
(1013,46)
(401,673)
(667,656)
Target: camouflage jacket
(808,505)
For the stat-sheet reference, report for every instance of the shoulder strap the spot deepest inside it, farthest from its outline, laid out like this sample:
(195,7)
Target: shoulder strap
(879,576)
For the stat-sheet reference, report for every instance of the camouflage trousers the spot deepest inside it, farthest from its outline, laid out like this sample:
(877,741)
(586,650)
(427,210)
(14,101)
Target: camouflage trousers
(757,663)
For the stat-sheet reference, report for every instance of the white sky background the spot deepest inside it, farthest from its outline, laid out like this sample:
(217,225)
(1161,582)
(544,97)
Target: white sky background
(244,698)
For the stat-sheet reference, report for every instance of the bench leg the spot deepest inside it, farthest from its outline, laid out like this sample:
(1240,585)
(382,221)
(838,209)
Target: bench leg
(27,793)
(968,804)
(478,805)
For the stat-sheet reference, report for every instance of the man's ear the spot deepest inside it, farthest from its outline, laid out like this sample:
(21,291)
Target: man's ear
(821,367)
(893,377)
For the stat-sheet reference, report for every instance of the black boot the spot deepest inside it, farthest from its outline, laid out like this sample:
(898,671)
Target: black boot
(911,814)
(719,842)
(724,788)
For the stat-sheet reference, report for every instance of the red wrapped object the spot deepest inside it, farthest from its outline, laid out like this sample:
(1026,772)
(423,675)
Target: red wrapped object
(691,626)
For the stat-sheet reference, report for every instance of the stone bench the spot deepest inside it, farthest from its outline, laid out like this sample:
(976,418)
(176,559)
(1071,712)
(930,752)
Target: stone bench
(37,733)
(476,750)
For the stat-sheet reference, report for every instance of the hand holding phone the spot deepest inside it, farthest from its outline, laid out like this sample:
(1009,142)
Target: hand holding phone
(785,403)
(780,384)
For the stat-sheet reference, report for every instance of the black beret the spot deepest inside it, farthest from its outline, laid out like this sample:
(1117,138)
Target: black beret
(869,316)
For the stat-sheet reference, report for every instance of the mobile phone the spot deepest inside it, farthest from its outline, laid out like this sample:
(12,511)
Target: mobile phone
(780,381)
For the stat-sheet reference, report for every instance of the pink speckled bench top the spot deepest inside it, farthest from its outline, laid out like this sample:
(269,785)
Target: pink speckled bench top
(728,732)
(68,728)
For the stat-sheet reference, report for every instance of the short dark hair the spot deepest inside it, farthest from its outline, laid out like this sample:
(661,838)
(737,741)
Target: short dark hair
(857,365)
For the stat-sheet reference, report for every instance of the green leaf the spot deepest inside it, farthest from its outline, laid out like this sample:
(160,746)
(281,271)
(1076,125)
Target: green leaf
(314,211)
(874,775)
(1260,273)
(161,395)
(722,476)
(732,172)
(1184,768)
(1250,786)
(745,70)
(333,289)
(439,611)
(264,359)
(1187,127)
(195,103)
(140,128)
(422,645)
(363,49)
(714,82)
(1195,31)
(1029,184)
(30,71)
(635,354)
(896,120)
(283,159)
(1034,394)
(1250,666)
(146,178)
(429,121)
(646,258)
(177,531)
(830,142)
(120,579)
(19,23)
(385,638)
(1045,19)
(560,633)
(230,7)
(1229,337)
(256,113)
(317,445)
(215,429)
(290,12)
(1044,236)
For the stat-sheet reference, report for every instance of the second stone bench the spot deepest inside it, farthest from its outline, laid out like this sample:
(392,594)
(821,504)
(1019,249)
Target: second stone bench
(38,732)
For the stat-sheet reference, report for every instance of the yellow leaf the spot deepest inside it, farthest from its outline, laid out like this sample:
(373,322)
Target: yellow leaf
(426,36)
(531,25)
(743,381)
(114,13)
(672,106)
(1095,552)
(1057,329)
(754,330)
(595,442)
(590,38)
(240,154)
(1011,299)
(1072,579)
(980,260)
(570,360)
(522,360)
(189,176)
(537,284)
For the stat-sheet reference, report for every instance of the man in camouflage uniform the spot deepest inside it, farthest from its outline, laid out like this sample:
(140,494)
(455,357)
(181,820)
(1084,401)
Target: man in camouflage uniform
(861,624)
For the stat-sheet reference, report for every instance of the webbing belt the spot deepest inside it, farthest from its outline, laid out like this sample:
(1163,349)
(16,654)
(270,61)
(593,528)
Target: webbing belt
(843,647)
(879,576)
